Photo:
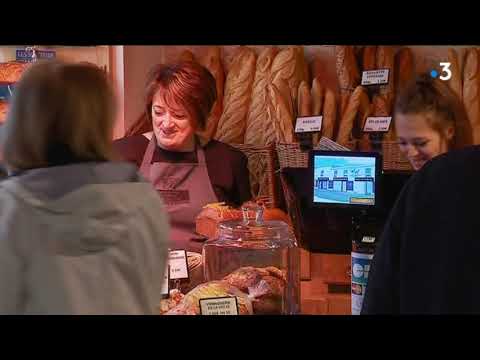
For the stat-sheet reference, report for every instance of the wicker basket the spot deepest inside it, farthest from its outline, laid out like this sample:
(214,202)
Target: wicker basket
(290,155)
(261,165)
(393,158)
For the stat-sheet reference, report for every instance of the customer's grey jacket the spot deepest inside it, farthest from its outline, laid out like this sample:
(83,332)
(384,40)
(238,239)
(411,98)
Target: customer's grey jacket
(88,238)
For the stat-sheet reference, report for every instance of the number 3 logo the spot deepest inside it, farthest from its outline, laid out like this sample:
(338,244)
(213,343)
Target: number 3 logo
(446,68)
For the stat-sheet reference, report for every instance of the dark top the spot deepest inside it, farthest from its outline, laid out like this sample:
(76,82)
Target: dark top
(227,166)
(427,258)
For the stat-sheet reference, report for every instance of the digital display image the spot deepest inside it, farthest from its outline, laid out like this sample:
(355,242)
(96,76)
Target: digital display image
(344,180)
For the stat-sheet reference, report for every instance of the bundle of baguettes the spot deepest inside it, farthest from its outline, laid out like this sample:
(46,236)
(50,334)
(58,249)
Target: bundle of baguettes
(236,101)
(213,62)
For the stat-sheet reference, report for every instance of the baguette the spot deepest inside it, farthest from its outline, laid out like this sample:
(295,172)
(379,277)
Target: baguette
(365,109)
(186,55)
(386,60)
(369,58)
(348,74)
(455,81)
(329,114)
(304,100)
(317,97)
(236,101)
(289,65)
(348,119)
(283,119)
(259,129)
(317,103)
(213,62)
(381,107)
(471,92)
(404,68)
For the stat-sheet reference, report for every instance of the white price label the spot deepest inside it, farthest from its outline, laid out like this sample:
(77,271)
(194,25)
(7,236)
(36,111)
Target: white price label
(219,306)
(308,124)
(178,264)
(377,124)
(368,239)
(375,77)
(165,284)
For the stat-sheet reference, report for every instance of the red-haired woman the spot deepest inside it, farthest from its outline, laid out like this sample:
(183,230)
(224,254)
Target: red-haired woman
(179,98)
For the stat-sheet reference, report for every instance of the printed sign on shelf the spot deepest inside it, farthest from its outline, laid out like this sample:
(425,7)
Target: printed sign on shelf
(177,261)
(219,306)
(26,55)
(375,77)
(377,124)
(308,124)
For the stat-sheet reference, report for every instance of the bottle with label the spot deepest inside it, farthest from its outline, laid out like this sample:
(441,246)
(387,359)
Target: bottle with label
(365,234)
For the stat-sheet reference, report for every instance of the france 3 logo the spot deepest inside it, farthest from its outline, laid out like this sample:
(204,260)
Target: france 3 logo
(445,74)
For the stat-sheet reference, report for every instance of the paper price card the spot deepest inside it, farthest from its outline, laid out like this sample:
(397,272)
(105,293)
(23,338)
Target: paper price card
(178,264)
(219,306)
(377,124)
(375,77)
(308,124)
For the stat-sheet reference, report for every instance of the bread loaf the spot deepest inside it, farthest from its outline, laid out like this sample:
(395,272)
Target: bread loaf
(471,92)
(348,74)
(213,62)
(289,65)
(455,81)
(304,100)
(211,215)
(329,114)
(348,119)
(283,118)
(260,129)
(386,60)
(404,68)
(11,72)
(238,92)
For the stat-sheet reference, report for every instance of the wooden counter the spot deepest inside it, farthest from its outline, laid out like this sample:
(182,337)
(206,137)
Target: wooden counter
(326,291)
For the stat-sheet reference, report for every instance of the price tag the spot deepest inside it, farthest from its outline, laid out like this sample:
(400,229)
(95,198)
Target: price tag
(219,306)
(165,290)
(178,265)
(375,77)
(377,124)
(368,239)
(308,124)
(24,55)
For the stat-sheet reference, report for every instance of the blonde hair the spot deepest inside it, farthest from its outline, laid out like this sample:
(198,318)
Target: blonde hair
(60,113)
